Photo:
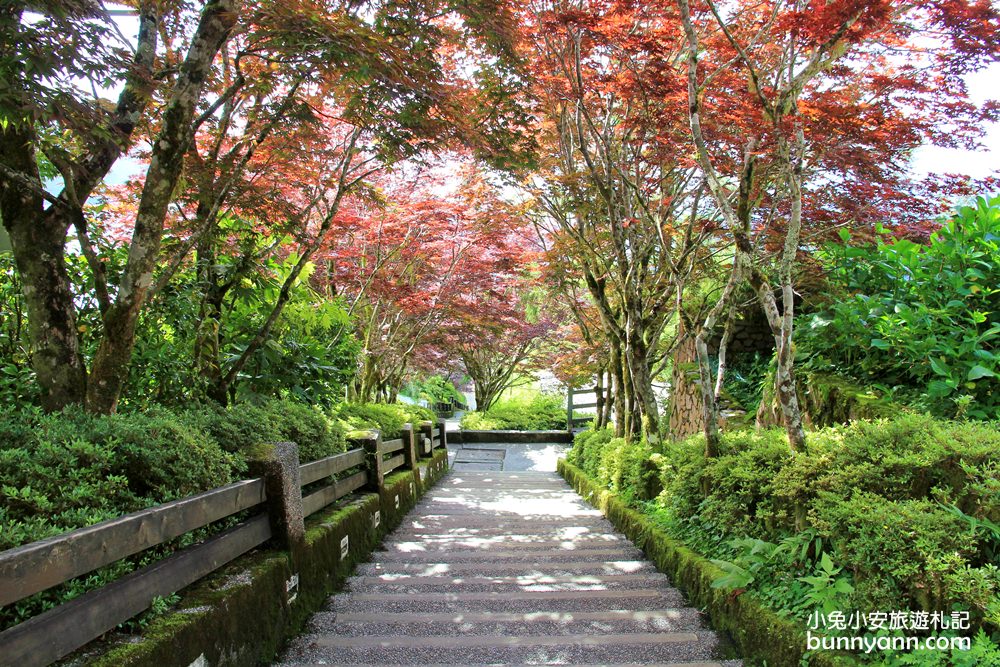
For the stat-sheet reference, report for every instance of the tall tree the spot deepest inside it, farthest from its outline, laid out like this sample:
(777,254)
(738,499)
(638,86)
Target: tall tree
(794,109)
(389,55)
(614,193)
(82,137)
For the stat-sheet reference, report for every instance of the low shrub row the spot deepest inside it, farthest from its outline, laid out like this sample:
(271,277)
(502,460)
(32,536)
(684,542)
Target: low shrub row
(72,469)
(538,413)
(387,418)
(879,516)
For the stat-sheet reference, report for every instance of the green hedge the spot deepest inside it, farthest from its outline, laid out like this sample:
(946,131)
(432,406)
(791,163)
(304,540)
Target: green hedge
(762,636)
(63,471)
(539,413)
(387,418)
(905,511)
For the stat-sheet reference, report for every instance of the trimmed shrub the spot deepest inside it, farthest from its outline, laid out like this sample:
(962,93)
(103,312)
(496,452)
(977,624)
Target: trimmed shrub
(388,418)
(540,413)
(904,511)
(243,427)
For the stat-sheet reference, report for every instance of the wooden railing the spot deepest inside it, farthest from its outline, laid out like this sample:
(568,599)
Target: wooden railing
(273,498)
(573,421)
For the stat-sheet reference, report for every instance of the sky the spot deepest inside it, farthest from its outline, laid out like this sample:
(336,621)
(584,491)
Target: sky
(982,85)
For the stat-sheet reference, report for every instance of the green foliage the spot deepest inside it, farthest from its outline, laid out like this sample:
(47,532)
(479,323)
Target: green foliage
(897,513)
(745,376)
(628,470)
(387,418)
(434,389)
(17,380)
(310,355)
(68,470)
(922,321)
(828,589)
(241,428)
(535,413)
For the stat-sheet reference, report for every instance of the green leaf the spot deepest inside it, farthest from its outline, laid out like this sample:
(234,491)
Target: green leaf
(938,389)
(979,371)
(880,344)
(940,367)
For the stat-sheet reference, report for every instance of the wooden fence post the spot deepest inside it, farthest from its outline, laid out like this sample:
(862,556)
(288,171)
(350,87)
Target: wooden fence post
(442,428)
(279,467)
(410,447)
(569,410)
(372,444)
(426,432)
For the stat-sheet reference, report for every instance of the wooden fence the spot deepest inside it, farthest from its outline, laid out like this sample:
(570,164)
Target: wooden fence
(273,498)
(575,422)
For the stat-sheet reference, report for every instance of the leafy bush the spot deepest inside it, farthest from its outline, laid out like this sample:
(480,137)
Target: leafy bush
(435,389)
(241,428)
(59,472)
(745,376)
(919,320)
(388,418)
(537,413)
(626,469)
(892,514)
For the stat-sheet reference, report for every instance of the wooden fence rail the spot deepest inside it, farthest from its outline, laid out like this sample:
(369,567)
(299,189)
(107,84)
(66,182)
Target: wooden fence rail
(572,421)
(35,567)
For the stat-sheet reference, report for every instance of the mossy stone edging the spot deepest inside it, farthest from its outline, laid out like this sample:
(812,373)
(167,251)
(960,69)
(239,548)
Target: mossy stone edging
(240,615)
(761,635)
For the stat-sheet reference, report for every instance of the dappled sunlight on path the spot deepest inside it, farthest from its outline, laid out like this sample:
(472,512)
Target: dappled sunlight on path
(507,568)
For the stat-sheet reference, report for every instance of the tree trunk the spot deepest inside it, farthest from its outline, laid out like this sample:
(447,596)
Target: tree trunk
(619,390)
(727,334)
(38,242)
(646,419)
(608,400)
(111,362)
(599,399)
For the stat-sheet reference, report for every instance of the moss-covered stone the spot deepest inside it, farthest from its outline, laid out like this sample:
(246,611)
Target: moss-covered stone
(762,637)
(241,615)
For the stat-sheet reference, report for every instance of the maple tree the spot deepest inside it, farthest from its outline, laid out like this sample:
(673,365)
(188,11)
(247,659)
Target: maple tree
(798,111)
(420,256)
(720,139)
(387,68)
(614,197)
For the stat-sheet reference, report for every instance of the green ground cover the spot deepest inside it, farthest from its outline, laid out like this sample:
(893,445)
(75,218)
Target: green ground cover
(897,514)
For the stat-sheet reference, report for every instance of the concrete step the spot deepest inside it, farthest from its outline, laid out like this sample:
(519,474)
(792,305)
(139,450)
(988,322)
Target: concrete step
(444,522)
(450,544)
(503,583)
(561,568)
(510,555)
(506,624)
(515,536)
(515,601)
(507,568)
(498,513)
(642,648)
(724,663)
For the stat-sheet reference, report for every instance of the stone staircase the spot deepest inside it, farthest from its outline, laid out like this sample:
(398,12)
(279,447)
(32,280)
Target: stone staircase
(499,568)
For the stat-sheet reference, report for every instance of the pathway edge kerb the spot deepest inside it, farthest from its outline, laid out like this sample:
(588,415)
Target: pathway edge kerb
(758,632)
(470,437)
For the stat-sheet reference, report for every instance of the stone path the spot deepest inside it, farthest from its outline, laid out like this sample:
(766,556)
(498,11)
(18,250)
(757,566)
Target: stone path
(496,568)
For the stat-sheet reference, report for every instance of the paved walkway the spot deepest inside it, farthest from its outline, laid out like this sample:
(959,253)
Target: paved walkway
(506,568)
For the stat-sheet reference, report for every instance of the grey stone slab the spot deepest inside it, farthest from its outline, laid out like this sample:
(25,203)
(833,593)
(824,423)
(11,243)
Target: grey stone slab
(463,466)
(472,454)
